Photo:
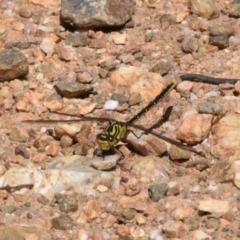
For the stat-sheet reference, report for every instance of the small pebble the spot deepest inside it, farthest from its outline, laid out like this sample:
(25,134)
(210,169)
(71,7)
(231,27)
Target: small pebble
(111,105)
(157,191)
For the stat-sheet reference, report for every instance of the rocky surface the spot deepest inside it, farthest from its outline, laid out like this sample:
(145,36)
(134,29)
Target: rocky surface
(52,186)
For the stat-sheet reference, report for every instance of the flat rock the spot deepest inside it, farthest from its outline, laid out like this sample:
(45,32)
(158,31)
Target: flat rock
(147,145)
(105,164)
(214,206)
(92,14)
(13,64)
(63,172)
(72,89)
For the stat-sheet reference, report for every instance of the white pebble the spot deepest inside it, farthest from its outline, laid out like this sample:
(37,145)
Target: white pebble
(210,94)
(195,189)
(156,235)
(172,184)
(193,96)
(212,187)
(110,105)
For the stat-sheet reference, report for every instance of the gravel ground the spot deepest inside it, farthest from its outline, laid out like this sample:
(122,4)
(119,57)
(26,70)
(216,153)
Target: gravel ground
(51,184)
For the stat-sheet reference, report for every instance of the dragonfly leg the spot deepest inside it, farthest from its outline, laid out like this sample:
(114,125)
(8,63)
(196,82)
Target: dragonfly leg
(118,152)
(135,134)
(98,152)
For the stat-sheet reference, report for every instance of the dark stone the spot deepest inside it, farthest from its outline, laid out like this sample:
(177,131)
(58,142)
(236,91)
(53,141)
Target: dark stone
(43,200)
(138,56)
(192,222)
(93,14)
(80,149)
(129,213)
(157,191)
(219,41)
(68,203)
(212,223)
(235,11)
(63,222)
(162,67)
(13,64)
(73,89)
(21,150)
(66,141)
(209,108)
(76,39)
(119,97)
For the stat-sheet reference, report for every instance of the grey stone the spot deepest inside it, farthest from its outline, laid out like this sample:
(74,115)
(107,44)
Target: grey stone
(209,108)
(219,41)
(129,213)
(76,39)
(212,223)
(21,150)
(63,222)
(67,203)
(119,97)
(72,89)
(162,67)
(13,64)
(157,191)
(92,13)
(189,45)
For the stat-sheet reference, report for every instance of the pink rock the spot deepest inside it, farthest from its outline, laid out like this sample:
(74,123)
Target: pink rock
(137,232)
(119,38)
(109,221)
(122,230)
(53,105)
(182,212)
(237,87)
(53,149)
(84,77)
(66,53)
(8,103)
(132,187)
(39,157)
(16,85)
(48,46)
(184,86)
(92,210)
(174,229)
(194,128)
(22,105)
(38,54)
(18,26)
(141,220)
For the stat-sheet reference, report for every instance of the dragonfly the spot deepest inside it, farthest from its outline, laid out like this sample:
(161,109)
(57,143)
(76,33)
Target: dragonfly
(117,131)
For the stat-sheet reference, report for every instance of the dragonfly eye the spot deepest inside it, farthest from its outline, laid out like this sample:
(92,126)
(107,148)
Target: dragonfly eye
(102,137)
(110,138)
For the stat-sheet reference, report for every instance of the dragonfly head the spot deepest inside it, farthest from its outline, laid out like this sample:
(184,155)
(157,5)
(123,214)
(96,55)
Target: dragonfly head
(104,141)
